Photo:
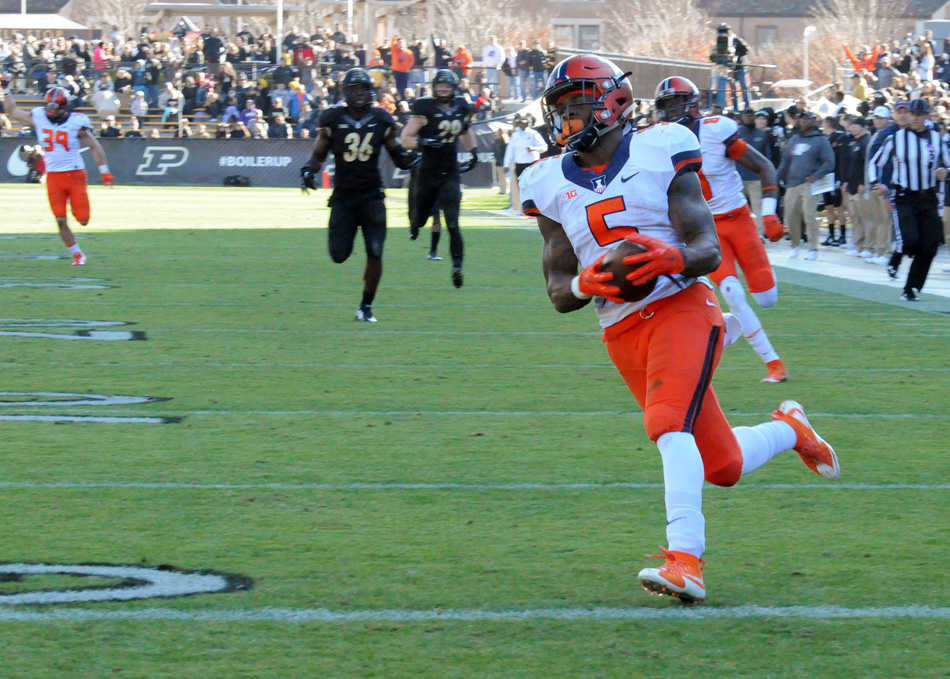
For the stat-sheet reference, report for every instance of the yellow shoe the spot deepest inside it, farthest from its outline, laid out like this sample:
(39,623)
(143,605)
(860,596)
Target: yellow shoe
(814,450)
(681,576)
(777,372)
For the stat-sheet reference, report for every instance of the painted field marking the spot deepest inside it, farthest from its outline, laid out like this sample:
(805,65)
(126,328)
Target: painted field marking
(54,283)
(92,419)
(14,327)
(325,615)
(32,257)
(552,487)
(59,399)
(64,398)
(139,582)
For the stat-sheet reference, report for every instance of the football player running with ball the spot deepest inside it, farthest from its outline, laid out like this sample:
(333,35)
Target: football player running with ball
(677,101)
(436,126)
(356,131)
(643,187)
(61,133)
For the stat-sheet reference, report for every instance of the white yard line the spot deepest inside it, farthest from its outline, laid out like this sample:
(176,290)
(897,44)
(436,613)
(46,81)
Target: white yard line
(501,413)
(324,615)
(434,366)
(553,487)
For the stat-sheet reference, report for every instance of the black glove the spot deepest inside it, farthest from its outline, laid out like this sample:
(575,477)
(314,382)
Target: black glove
(470,163)
(308,178)
(431,142)
(403,159)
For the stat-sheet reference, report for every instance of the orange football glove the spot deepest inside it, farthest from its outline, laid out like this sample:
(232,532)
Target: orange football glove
(108,179)
(660,259)
(592,281)
(774,229)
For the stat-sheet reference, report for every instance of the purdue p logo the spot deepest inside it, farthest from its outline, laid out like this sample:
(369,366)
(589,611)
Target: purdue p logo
(157,160)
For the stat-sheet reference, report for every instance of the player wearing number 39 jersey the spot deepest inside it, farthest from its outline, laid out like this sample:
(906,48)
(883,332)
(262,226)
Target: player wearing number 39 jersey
(644,187)
(61,133)
(356,132)
(677,101)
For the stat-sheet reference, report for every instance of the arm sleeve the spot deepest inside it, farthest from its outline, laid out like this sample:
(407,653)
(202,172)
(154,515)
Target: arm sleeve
(684,153)
(535,193)
(783,164)
(418,108)
(528,205)
(879,159)
(851,58)
(827,156)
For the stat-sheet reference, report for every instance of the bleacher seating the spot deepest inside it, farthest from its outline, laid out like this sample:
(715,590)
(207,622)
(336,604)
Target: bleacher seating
(146,123)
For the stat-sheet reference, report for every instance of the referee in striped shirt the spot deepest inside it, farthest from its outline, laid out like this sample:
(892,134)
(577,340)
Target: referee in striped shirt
(919,162)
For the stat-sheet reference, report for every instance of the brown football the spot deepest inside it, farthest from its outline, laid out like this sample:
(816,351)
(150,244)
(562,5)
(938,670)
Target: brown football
(613,262)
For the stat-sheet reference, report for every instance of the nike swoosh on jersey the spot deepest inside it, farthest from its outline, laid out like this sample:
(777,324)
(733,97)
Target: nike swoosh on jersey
(708,303)
(626,179)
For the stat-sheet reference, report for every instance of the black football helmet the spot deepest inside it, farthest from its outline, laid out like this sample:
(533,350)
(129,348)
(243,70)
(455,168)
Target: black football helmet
(445,77)
(358,89)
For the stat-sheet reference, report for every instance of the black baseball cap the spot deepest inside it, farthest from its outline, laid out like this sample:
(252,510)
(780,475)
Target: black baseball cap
(807,114)
(920,106)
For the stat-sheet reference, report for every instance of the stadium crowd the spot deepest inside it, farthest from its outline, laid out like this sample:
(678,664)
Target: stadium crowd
(206,78)
(204,84)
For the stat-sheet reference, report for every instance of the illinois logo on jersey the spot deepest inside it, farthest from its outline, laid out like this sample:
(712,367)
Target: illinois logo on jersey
(599,183)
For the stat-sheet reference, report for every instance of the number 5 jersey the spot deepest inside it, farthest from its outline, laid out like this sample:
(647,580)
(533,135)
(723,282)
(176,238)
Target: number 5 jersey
(599,206)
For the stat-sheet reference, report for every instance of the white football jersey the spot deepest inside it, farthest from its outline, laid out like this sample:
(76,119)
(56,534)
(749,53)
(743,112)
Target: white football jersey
(720,144)
(598,208)
(60,141)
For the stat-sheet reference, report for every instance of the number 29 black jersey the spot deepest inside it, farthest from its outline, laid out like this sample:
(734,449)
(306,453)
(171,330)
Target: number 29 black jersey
(356,145)
(445,124)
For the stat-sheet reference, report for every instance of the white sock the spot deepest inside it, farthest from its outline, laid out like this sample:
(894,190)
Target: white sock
(734,294)
(683,478)
(74,248)
(761,443)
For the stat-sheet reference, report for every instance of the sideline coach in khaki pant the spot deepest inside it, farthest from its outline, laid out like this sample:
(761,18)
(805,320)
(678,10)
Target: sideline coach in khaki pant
(807,158)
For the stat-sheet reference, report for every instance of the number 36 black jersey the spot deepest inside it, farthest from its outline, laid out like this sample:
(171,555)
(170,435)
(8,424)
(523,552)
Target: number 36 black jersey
(445,124)
(356,145)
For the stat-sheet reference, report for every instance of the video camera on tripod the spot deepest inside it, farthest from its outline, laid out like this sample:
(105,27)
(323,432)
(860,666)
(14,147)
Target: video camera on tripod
(724,52)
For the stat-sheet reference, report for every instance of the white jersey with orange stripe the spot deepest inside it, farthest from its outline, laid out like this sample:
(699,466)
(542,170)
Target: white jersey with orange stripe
(60,141)
(721,146)
(598,207)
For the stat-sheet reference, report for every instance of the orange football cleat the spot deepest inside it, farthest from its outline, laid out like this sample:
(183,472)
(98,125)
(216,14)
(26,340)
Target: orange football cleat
(777,372)
(681,576)
(814,450)
(79,259)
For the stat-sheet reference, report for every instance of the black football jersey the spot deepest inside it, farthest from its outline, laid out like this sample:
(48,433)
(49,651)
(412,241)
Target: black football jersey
(356,145)
(447,124)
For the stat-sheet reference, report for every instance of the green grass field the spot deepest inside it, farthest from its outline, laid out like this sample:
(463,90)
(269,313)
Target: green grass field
(474,453)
